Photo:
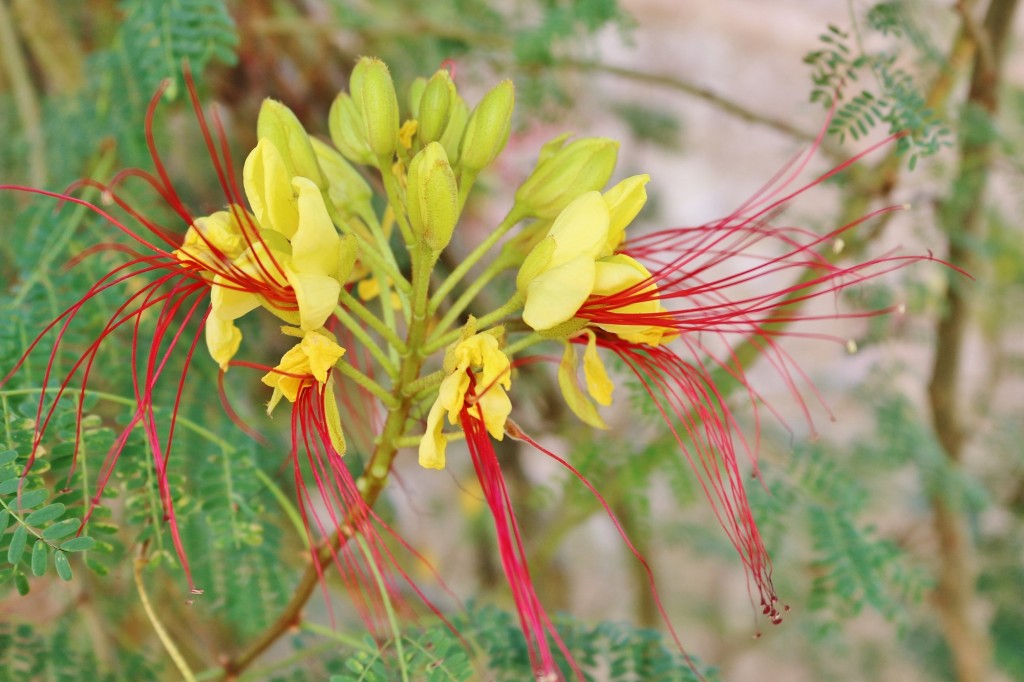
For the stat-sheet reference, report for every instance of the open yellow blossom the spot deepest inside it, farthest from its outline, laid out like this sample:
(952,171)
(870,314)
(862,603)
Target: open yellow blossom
(312,357)
(482,355)
(286,257)
(558,274)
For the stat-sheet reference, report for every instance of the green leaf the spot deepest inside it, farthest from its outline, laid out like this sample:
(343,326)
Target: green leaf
(7,456)
(45,515)
(33,498)
(96,567)
(5,518)
(10,485)
(21,583)
(79,544)
(17,547)
(61,529)
(61,563)
(39,558)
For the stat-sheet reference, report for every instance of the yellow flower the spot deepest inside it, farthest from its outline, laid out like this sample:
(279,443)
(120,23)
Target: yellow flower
(558,274)
(311,358)
(577,260)
(287,256)
(481,354)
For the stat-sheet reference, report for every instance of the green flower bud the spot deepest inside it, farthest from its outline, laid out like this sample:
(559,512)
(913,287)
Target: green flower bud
(458,116)
(416,89)
(346,188)
(278,124)
(488,128)
(432,196)
(348,252)
(348,132)
(434,106)
(374,95)
(581,166)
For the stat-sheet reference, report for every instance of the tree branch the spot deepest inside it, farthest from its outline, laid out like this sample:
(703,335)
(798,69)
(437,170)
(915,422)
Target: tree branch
(962,217)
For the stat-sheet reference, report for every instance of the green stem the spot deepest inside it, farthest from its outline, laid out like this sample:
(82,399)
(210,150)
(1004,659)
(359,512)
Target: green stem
(513,217)
(372,321)
(493,270)
(158,627)
(372,346)
(524,343)
(510,306)
(348,370)
(394,193)
(431,380)
(466,181)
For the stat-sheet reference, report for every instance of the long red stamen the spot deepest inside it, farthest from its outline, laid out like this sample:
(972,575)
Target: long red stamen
(533,619)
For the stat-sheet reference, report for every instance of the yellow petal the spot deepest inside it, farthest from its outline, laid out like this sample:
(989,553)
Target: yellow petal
(230,303)
(624,202)
(315,242)
(222,340)
(289,375)
(321,353)
(269,189)
(580,229)
(433,443)
(554,296)
(495,406)
(618,273)
(573,394)
(451,395)
(599,385)
(316,295)
(333,419)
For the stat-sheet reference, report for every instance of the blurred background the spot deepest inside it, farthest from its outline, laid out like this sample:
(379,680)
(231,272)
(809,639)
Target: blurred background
(892,513)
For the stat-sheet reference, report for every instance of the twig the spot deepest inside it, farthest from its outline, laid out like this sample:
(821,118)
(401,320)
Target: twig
(161,632)
(727,105)
(963,218)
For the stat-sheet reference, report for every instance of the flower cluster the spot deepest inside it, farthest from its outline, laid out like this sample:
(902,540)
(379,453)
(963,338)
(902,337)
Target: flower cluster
(302,240)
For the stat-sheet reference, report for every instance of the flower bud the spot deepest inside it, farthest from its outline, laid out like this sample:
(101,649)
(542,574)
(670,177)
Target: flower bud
(458,116)
(346,188)
(416,89)
(278,123)
(374,95)
(434,106)
(432,196)
(488,128)
(579,167)
(348,130)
